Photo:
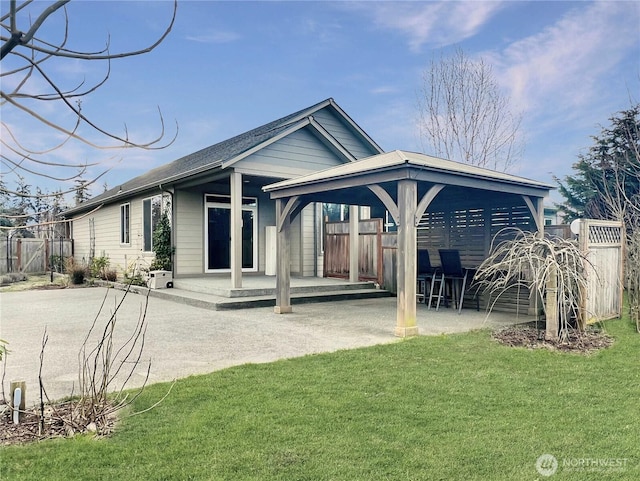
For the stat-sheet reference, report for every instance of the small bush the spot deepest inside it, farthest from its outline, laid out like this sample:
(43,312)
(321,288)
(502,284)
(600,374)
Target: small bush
(77,271)
(99,267)
(135,280)
(111,275)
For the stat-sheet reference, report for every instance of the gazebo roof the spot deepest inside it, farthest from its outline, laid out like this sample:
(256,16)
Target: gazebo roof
(399,164)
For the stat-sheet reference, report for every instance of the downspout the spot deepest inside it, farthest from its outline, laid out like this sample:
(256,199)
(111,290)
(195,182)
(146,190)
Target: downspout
(173,229)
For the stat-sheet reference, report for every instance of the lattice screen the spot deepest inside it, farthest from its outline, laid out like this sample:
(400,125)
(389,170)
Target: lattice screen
(602,234)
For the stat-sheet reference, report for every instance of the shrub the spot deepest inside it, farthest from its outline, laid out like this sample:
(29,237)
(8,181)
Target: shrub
(111,275)
(76,271)
(99,267)
(162,244)
(135,279)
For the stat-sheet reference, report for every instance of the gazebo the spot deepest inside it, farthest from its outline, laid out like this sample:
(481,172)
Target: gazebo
(463,204)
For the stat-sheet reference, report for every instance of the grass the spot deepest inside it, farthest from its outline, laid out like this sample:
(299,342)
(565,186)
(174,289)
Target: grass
(458,407)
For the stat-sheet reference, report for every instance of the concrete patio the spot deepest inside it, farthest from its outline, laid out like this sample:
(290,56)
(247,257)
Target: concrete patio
(183,340)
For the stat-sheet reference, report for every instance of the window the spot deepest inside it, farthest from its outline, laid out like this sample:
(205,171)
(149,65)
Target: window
(151,212)
(125,223)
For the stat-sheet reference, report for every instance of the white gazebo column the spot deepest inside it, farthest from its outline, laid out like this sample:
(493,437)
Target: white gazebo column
(236,230)
(354,245)
(406,324)
(283,259)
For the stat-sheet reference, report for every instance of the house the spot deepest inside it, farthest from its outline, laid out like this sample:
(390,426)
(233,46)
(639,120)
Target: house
(221,218)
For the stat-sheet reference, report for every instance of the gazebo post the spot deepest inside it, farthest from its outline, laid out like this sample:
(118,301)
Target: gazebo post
(406,324)
(354,245)
(236,230)
(283,259)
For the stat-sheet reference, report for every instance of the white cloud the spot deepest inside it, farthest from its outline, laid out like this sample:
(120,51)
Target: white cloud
(433,23)
(572,64)
(216,36)
(384,89)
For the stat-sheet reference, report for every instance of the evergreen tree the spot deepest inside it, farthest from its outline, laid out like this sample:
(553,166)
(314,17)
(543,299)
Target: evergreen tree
(606,184)
(82,190)
(22,207)
(162,244)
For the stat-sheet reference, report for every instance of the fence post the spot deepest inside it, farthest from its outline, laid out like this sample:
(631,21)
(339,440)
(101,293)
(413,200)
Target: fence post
(19,253)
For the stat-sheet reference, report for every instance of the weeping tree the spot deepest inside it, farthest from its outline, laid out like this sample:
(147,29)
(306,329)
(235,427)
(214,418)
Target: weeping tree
(553,269)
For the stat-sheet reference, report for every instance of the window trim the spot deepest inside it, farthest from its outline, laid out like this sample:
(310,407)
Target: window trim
(125,228)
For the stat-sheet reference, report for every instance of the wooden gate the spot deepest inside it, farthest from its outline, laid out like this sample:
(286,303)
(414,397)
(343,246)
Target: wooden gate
(31,255)
(336,250)
(603,242)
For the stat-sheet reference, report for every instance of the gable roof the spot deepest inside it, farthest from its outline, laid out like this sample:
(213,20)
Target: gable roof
(224,154)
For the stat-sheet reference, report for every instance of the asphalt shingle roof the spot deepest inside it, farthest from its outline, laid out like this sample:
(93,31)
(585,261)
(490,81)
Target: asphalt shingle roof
(205,159)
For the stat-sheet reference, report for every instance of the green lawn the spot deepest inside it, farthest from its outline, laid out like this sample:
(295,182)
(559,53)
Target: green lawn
(458,407)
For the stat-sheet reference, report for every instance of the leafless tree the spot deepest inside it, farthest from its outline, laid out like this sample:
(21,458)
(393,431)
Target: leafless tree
(105,368)
(464,116)
(529,260)
(30,86)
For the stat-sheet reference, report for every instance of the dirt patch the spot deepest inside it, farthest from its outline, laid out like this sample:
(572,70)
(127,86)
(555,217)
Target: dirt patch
(43,282)
(530,337)
(56,425)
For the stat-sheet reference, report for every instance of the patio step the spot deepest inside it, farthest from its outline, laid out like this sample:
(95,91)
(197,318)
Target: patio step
(208,288)
(217,303)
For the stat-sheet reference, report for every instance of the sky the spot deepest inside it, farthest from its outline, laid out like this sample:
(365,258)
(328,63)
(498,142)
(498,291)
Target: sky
(228,67)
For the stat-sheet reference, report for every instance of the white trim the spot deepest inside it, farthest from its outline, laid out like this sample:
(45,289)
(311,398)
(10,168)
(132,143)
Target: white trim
(128,243)
(252,208)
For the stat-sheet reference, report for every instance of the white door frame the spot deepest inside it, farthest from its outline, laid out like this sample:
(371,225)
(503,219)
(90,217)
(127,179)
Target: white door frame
(222,205)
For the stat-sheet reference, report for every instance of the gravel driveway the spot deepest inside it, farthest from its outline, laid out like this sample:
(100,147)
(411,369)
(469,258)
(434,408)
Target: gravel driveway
(183,340)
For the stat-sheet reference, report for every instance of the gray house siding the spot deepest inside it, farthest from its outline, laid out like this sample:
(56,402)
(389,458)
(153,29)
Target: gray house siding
(338,129)
(297,154)
(103,229)
(188,232)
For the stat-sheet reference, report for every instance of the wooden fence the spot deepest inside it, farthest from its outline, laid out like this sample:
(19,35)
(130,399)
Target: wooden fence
(33,255)
(336,250)
(603,243)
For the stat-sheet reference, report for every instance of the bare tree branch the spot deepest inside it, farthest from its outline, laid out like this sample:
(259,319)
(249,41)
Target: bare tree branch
(463,116)
(30,63)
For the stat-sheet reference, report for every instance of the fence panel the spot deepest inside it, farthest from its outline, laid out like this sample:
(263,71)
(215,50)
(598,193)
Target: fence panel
(602,241)
(336,250)
(32,256)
